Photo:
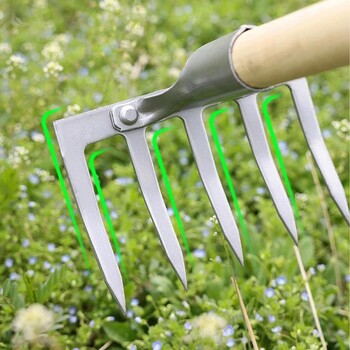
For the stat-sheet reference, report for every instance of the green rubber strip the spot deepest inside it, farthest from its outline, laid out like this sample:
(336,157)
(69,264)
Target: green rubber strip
(106,214)
(224,166)
(169,190)
(279,156)
(62,183)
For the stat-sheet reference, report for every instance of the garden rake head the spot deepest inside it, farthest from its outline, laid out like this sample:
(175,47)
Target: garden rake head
(208,78)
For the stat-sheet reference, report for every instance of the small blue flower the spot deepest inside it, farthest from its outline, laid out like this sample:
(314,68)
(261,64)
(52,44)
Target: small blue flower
(230,342)
(25,243)
(9,262)
(31,217)
(134,302)
(133,347)
(315,333)
(72,310)
(14,276)
(57,308)
(92,323)
(244,340)
(168,334)
(180,313)
(33,179)
(51,247)
(312,271)
(199,253)
(88,288)
(188,326)
(276,329)
(170,211)
(138,319)
(259,318)
(228,331)
(46,265)
(114,215)
(283,146)
(110,318)
(63,227)
(124,181)
(73,319)
(347,278)
(205,232)
(65,258)
(86,273)
(32,260)
(304,296)
(261,190)
(271,318)
(269,292)
(281,280)
(129,314)
(157,345)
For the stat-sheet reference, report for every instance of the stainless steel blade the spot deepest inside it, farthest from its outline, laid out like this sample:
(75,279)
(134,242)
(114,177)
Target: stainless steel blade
(258,142)
(143,165)
(202,153)
(313,135)
(73,135)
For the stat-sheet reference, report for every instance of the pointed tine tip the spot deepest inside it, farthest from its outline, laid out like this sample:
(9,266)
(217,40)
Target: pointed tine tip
(181,273)
(293,231)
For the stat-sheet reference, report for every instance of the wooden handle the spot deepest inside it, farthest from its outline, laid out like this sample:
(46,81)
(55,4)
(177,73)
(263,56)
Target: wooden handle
(308,41)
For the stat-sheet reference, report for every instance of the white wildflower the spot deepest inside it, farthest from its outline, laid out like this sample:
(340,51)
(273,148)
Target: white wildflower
(343,128)
(19,155)
(16,62)
(110,5)
(52,51)
(52,69)
(5,48)
(44,175)
(302,197)
(33,323)
(207,326)
(72,110)
(135,29)
(62,38)
(127,44)
(139,10)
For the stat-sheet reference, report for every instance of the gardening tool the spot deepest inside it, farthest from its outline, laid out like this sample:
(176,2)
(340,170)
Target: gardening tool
(236,66)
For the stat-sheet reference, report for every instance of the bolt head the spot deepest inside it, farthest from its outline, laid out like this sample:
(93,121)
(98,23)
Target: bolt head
(128,115)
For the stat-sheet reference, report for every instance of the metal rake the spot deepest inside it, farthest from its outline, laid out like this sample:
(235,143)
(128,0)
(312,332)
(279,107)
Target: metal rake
(214,73)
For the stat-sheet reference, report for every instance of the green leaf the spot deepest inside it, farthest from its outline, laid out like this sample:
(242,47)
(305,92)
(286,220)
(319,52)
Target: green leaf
(119,332)
(45,290)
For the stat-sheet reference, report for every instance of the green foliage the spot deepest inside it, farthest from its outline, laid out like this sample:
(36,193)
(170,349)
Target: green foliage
(81,55)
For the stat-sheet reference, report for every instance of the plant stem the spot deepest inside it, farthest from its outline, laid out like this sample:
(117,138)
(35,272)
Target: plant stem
(310,297)
(245,314)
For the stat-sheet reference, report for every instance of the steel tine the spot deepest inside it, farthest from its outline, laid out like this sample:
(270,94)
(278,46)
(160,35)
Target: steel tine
(311,129)
(143,165)
(72,150)
(199,142)
(259,145)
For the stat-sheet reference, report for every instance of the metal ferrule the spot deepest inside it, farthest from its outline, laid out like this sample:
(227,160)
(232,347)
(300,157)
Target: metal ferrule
(208,77)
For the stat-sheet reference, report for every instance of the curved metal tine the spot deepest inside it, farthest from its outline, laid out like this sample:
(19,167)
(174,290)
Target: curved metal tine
(199,142)
(143,165)
(72,134)
(259,145)
(311,129)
